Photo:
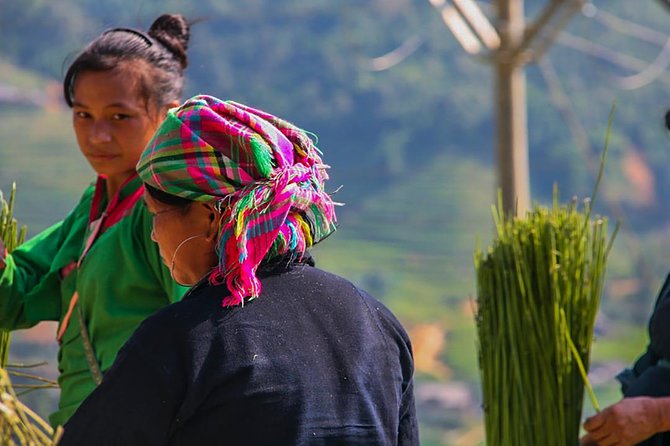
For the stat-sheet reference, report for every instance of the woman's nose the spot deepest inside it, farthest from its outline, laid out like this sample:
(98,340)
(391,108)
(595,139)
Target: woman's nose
(100,133)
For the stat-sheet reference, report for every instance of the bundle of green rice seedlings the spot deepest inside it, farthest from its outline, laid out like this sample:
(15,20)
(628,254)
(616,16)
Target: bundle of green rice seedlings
(538,290)
(11,232)
(12,236)
(18,424)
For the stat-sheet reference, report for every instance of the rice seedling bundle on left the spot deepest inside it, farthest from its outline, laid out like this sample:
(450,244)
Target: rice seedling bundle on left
(19,425)
(12,235)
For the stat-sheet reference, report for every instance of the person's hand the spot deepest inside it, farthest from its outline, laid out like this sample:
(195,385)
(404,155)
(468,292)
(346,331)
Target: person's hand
(625,423)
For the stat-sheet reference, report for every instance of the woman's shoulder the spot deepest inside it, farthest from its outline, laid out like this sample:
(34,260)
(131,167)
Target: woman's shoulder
(349,291)
(78,216)
(83,206)
(89,191)
(314,279)
(301,289)
(318,287)
(181,316)
(285,290)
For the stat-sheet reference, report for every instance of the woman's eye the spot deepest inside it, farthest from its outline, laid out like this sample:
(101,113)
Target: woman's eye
(119,117)
(82,115)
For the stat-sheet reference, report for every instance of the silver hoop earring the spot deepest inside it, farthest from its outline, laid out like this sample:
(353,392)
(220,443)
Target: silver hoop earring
(174,256)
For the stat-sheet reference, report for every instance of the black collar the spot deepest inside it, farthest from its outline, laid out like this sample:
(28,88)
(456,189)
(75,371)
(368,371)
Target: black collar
(276,265)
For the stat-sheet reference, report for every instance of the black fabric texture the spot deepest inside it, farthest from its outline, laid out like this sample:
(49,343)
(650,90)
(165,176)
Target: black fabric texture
(648,376)
(312,361)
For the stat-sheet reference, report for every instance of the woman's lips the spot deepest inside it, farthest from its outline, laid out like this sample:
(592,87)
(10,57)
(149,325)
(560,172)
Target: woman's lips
(101,156)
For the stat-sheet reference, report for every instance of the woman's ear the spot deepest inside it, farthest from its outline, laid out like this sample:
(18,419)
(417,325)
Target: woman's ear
(213,221)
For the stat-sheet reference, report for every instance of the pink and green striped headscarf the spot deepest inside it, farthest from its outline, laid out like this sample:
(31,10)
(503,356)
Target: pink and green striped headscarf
(264,173)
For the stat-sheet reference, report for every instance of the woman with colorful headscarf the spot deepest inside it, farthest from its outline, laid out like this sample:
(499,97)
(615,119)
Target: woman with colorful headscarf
(265,348)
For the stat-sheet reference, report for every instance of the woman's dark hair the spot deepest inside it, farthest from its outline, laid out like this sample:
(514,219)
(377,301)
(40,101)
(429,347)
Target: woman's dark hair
(167,199)
(163,48)
(667,120)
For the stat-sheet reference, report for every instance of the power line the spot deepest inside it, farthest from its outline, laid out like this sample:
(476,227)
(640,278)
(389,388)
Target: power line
(612,56)
(655,70)
(626,26)
(396,56)
(646,72)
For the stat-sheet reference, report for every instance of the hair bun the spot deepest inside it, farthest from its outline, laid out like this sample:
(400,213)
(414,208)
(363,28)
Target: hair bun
(173,32)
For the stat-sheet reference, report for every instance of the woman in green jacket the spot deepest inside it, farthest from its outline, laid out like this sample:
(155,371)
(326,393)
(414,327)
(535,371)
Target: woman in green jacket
(97,272)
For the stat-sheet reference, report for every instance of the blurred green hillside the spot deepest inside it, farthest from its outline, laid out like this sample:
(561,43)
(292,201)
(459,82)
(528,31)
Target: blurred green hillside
(410,145)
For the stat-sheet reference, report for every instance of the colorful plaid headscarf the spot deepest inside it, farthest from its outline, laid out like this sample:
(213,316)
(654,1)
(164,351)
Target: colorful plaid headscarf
(264,173)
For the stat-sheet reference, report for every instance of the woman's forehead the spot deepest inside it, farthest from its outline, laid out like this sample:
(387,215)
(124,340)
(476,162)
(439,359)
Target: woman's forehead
(108,89)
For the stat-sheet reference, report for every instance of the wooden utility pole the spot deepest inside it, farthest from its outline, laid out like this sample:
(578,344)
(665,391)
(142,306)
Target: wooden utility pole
(512,46)
(510,109)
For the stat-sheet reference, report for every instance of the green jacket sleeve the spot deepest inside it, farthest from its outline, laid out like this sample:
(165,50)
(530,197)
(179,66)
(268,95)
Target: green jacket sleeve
(30,283)
(27,280)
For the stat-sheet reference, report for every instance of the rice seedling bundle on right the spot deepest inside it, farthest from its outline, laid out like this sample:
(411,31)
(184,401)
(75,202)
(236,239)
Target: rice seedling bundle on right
(538,291)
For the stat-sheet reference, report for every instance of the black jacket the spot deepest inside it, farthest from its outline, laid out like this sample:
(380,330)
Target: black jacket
(312,361)
(650,375)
